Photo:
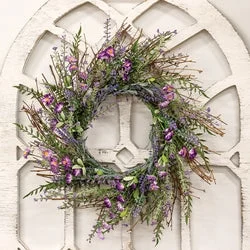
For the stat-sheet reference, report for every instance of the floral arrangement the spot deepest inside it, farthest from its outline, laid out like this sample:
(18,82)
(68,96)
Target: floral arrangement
(141,67)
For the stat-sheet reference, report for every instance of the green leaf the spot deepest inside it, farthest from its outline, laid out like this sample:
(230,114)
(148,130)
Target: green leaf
(76,167)
(83,170)
(62,115)
(59,124)
(128,178)
(99,171)
(80,162)
(136,194)
(124,213)
(152,79)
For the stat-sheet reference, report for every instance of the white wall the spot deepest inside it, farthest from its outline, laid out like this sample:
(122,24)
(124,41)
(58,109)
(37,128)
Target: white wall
(15,13)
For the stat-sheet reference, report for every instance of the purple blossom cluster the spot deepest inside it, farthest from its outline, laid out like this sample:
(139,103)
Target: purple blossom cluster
(189,154)
(126,68)
(168,96)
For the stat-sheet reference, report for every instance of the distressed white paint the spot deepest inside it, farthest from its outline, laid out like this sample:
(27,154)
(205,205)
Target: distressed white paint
(207,18)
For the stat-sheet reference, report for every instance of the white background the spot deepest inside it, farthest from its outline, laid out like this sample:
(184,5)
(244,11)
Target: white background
(15,13)
(13,16)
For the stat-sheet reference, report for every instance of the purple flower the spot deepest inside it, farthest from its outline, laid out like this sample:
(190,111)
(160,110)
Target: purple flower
(83,75)
(26,153)
(168,89)
(106,226)
(107,53)
(125,77)
(153,186)
(53,123)
(119,206)
(119,186)
(47,154)
(110,51)
(171,156)
(127,65)
(96,84)
(107,203)
(167,130)
(66,162)
(58,107)
(73,67)
(84,86)
(71,59)
(183,152)
(133,186)
(47,99)
(162,174)
(102,55)
(173,125)
(77,172)
(169,96)
(68,178)
(54,166)
(192,153)
(100,234)
(120,198)
(151,178)
(164,104)
(112,215)
(169,135)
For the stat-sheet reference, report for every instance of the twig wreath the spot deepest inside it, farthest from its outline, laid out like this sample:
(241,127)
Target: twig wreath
(139,67)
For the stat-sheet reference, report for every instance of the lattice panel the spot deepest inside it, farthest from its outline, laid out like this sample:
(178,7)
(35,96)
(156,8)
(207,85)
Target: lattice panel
(221,218)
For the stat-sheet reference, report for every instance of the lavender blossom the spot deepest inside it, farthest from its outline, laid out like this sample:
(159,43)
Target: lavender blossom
(77,172)
(107,53)
(173,125)
(84,86)
(168,89)
(169,136)
(54,166)
(164,104)
(151,178)
(68,178)
(100,234)
(58,108)
(26,153)
(47,154)
(119,206)
(66,162)
(73,67)
(162,174)
(192,153)
(71,59)
(52,123)
(83,75)
(119,186)
(107,203)
(106,226)
(127,65)
(47,99)
(153,186)
(120,198)
(183,152)
(169,97)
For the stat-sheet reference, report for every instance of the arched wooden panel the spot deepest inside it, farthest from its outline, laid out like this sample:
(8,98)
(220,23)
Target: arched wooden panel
(200,29)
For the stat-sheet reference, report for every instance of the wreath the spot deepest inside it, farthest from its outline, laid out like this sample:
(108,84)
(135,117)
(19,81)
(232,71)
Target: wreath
(126,64)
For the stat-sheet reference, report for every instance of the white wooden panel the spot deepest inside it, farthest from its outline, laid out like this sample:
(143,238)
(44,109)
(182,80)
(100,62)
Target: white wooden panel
(216,218)
(41,223)
(226,104)
(223,49)
(143,235)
